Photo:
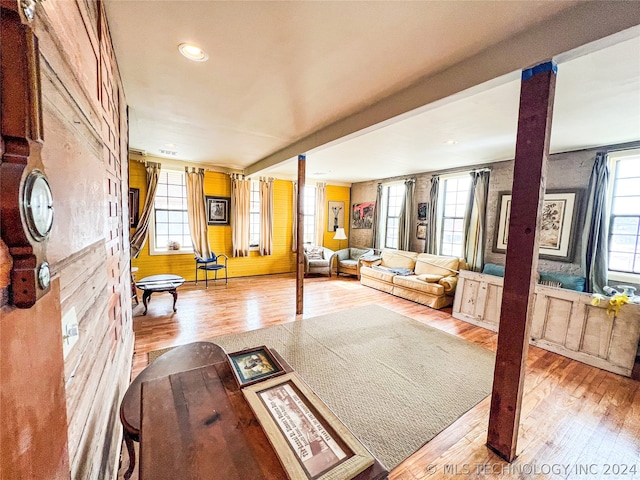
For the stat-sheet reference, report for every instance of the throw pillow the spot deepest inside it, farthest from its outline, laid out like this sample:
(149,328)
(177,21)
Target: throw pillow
(315,253)
(430,278)
(437,265)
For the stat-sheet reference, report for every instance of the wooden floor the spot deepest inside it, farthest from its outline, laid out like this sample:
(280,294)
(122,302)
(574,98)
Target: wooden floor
(578,422)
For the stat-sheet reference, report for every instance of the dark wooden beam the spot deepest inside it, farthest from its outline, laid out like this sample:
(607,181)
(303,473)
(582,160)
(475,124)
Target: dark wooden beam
(529,180)
(299,236)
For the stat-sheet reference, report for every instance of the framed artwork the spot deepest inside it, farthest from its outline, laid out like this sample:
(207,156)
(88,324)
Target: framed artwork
(557,224)
(362,215)
(335,219)
(421,233)
(218,210)
(422,211)
(310,441)
(134,207)
(254,365)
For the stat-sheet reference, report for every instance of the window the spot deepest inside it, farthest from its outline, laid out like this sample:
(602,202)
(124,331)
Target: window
(254,215)
(394,197)
(455,195)
(624,229)
(171,221)
(309,212)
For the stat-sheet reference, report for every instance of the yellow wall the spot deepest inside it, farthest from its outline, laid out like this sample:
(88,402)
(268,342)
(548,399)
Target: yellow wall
(282,260)
(335,193)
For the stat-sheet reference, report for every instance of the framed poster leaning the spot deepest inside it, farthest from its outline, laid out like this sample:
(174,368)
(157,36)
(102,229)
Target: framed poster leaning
(310,441)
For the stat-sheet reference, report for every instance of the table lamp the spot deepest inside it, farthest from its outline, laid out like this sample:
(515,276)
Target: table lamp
(340,235)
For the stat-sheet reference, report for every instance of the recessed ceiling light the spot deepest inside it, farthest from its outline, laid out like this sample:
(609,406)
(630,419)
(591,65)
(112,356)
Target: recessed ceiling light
(170,145)
(192,52)
(451,142)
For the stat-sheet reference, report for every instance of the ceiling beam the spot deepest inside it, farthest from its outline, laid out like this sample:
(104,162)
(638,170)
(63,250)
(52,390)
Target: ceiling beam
(572,29)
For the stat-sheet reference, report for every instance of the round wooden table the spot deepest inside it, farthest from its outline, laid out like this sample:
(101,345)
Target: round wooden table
(185,357)
(159,283)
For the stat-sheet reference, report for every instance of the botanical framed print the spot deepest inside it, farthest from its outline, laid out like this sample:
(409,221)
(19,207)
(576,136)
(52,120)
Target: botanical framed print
(362,215)
(218,210)
(557,224)
(254,365)
(335,219)
(309,439)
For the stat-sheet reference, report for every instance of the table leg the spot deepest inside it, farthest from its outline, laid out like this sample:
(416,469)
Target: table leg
(145,300)
(128,441)
(175,299)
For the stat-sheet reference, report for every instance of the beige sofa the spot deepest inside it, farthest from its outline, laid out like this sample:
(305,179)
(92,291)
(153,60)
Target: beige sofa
(420,277)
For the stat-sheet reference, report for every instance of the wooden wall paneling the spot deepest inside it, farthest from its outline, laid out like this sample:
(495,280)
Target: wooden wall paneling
(70,47)
(90,134)
(564,322)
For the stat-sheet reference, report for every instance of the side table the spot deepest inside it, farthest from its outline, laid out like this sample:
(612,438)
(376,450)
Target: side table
(159,283)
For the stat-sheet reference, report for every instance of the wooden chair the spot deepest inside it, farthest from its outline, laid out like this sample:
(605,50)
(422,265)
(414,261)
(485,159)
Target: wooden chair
(212,264)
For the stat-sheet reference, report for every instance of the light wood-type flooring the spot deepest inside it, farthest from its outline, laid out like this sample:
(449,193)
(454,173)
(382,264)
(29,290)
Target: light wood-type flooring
(578,422)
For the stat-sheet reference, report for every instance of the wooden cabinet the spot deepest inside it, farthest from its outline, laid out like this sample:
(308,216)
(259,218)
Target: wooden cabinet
(564,321)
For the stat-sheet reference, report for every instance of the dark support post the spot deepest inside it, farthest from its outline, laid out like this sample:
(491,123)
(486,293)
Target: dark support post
(529,180)
(299,236)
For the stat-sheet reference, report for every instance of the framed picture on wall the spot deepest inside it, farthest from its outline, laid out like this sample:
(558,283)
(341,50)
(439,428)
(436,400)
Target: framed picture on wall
(422,211)
(134,207)
(335,219)
(421,232)
(557,224)
(218,210)
(362,215)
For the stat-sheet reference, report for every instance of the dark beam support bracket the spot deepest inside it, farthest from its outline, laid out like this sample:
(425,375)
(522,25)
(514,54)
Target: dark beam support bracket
(529,181)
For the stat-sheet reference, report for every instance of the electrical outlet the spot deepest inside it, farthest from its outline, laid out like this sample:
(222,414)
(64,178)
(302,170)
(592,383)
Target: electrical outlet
(70,331)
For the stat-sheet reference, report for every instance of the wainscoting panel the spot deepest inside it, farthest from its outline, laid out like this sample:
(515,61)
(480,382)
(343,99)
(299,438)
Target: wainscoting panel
(564,321)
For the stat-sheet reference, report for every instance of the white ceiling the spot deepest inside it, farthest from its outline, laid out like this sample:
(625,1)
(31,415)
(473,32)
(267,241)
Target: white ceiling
(368,90)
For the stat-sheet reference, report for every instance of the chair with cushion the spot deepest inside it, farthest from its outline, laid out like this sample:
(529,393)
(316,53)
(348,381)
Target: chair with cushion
(213,264)
(317,260)
(348,260)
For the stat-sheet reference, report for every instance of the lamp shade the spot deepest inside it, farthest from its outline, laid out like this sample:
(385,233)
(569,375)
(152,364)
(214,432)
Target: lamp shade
(340,235)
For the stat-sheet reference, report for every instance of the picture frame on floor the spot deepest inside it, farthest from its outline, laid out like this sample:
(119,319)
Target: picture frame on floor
(254,365)
(309,439)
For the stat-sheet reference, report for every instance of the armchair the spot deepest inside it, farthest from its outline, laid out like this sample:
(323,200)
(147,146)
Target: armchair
(317,260)
(348,260)
(213,264)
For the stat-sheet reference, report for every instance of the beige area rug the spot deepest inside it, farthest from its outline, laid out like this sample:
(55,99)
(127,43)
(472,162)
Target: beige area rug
(393,381)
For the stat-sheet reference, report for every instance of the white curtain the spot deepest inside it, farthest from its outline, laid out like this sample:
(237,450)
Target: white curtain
(321,211)
(197,211)
(475,220)
(376,241)
(406,216)
(266,216)
(240,208)
(431,245)
(140,235)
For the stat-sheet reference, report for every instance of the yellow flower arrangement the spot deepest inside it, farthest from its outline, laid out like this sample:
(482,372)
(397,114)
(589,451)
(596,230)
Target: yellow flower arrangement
(614,304)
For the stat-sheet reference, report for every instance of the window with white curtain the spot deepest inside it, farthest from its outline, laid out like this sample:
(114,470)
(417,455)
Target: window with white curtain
(309,214)
(170,221)
(624,227)
(454,195)
(254,215)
